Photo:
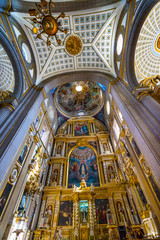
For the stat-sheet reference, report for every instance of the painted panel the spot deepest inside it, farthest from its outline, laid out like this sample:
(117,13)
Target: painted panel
(65,213)
(83,165)
(4,197)
(81,129)
(136,148)
(93,144)
(102,206)
(23,154)
(155,187)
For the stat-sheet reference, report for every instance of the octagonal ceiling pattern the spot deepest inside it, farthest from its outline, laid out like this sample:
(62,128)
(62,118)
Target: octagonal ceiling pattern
(147,54)
(96,28)
(7,80)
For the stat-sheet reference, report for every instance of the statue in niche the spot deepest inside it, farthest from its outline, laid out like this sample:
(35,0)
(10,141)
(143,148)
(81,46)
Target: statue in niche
(109,217)
(49,213)
(47,217)
(41,223)
(55,176)
(59,149)
(105,147)
(120,212)
(111,173)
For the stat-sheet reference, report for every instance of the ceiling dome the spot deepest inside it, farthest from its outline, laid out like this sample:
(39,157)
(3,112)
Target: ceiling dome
(7,80)
(147,54)
(79,99)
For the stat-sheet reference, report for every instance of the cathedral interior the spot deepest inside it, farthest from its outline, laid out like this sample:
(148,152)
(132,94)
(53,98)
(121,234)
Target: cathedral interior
(80,119)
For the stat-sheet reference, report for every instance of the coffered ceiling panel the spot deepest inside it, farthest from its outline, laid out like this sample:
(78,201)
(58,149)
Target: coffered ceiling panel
(93,29)
(147,54)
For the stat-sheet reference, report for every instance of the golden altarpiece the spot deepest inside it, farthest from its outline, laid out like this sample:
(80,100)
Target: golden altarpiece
(87,195)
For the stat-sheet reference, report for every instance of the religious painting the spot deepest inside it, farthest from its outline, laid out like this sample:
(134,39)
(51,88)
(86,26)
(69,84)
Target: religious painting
(93,144)
(36,122)
(102,206)
(70,145)
(72,102)
(65,213)
(4,197)
(23,154)
(136,148)
(23,202)
(83,165)
(155,187)
(100,116)
(83,205)
(81,129)
(61,119)
(141,194)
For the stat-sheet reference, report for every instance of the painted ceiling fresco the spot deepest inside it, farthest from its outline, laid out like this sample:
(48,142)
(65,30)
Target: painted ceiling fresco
(88,101)
(96,28)
(147,54)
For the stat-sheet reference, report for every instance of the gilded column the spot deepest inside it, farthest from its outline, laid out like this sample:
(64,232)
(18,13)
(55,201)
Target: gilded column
(76,217)
(49,174)
(112,209)
(101,171)
(91,219)
(57,204)
(127,208)
(116,168)
(64,176)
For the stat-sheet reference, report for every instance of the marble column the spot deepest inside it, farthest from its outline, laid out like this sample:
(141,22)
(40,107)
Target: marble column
(105,171)
(63,149)
(61,175)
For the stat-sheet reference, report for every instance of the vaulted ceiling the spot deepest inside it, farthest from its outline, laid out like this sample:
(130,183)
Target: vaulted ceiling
(147,54)
(96,29)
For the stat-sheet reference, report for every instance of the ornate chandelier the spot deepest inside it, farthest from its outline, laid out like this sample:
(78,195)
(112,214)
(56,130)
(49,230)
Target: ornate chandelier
(45,23)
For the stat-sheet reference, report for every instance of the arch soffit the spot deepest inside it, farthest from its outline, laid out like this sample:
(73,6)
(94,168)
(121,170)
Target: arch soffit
(142,12)
(11,52)
(60,79)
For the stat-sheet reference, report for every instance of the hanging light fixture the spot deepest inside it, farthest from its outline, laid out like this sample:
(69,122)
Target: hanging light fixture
(45,23)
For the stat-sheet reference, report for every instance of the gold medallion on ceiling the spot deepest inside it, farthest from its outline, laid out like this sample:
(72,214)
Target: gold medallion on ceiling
(73,45)
(157,44)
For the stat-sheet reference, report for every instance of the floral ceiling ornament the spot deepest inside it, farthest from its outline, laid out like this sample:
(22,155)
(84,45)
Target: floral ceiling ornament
(45,23)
